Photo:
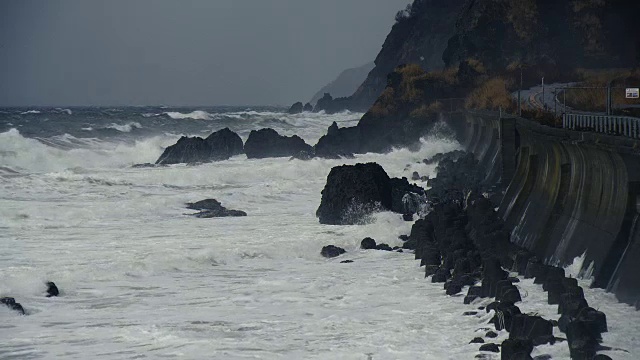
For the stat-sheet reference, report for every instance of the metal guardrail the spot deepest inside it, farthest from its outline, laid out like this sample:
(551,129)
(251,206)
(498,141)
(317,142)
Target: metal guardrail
(612,125)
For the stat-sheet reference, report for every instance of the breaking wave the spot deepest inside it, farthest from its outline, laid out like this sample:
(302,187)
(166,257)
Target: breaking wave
(44,155)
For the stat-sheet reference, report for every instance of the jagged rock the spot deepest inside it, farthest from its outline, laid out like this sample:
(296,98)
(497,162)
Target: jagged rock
(407,217)
(415,176)
(296,108)
(331,251)
(477,340)
(330,105)
(354,192)
(406,198)
(491,334)
(221,145)
(404,237)
(346,261)
(368,243)
(12,304)
(384,247)
(52,289)
(211,208)
(338,142)
(307,107)
(265,143)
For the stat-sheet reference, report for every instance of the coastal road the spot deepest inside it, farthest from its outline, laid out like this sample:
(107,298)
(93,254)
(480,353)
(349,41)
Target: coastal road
(533,98)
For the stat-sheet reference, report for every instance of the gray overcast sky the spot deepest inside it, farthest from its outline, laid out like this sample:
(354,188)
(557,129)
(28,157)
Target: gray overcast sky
(195,52)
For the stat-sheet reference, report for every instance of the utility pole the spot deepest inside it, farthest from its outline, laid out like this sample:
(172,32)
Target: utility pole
(544,105)
(519,91)
(609,102)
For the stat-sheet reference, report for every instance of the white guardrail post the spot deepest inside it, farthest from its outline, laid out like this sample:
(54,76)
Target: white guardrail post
(617,125)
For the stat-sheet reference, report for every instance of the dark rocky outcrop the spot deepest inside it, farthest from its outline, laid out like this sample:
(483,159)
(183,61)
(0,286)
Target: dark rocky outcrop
(221,145)
(12,304)
(352,193)
(406,111)
(331,251)
(307,107)
(52,289)
(368,244)
(210,208)
(490,348)
(330,105)
(265,143)
(296,108)
(338,142)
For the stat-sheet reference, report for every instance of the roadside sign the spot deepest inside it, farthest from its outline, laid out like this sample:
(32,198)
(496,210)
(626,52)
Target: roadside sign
(633,93)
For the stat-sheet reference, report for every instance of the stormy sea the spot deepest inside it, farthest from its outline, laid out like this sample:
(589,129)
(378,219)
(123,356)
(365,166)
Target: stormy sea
(139,278)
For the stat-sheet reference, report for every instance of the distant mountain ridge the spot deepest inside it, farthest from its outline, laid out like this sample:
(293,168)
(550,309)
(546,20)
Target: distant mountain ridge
(346,83)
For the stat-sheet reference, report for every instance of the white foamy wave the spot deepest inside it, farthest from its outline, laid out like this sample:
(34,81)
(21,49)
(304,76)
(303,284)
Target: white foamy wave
(128,127)
(197,115)
(65,152)
(30,112)
(149,115)
(61,110)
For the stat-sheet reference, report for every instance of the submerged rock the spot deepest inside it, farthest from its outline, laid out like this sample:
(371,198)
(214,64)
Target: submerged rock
(52,289)
(331,251)
(221,145)
(210,208)
(12,304)
(266,143)
(368,243)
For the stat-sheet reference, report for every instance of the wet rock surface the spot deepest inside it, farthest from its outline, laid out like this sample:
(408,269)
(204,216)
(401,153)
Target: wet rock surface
(266,143)
(221,145)
(211,208)
(354,192)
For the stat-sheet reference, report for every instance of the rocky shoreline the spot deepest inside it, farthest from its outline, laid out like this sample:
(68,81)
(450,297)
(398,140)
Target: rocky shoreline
(463,244)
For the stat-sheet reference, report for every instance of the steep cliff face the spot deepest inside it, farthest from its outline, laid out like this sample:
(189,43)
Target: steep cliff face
(419,36)
(346,83)
(503,34)
(562,33)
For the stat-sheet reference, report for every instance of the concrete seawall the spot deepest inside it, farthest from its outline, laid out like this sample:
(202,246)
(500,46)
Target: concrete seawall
(566,194)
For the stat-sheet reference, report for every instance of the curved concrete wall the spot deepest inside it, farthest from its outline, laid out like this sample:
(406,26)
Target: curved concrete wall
(569,194)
